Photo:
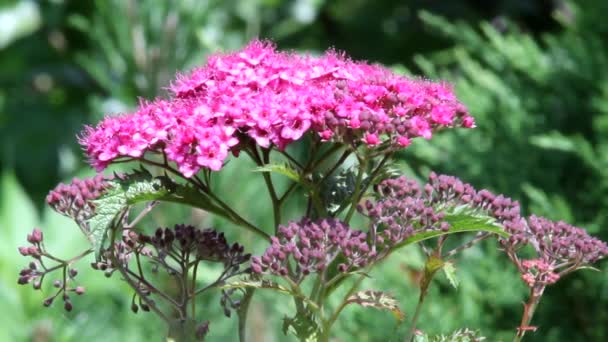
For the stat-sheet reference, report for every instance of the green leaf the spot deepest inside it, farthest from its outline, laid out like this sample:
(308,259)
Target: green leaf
(124,191)
(269,285)
(459,223)
(304,326)
(138,187)
(450,272)
(378,300)
(337,189)
(257,284)
(461,335)
(283,169)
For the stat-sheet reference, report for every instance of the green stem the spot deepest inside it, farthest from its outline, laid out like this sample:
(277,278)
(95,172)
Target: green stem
(412,330)
(433,264)
(276,203)
(327,325)
(323,157)
(242,314)
(357,193)
(226,211)
(130,281)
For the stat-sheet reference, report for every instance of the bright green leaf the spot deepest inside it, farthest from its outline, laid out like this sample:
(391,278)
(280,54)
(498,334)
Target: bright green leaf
(450,272)
(283,169)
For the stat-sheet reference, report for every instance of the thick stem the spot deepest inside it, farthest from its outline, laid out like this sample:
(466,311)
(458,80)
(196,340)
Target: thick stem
(412,330)
(529,309)
(433,264)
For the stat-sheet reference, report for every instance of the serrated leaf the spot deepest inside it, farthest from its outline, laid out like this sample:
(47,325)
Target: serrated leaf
(283,169)
(378,300)
(257,284)
(461,335)
(337,189)
(107,209)
(459,223)
(303,326)
(450,272)
(270,285)
(138,187)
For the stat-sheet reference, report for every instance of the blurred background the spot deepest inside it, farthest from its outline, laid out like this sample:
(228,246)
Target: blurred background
(534,73)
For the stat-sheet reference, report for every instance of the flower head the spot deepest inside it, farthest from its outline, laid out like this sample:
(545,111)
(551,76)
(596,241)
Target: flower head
(313,246)
(559,249)
(75,200)
(274,98)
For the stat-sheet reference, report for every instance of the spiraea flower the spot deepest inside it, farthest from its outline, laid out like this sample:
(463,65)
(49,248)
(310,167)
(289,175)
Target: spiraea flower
(559,249)
(75,200)
(273,99)
(40,267)
(313,246)
(404,208)
(197,244)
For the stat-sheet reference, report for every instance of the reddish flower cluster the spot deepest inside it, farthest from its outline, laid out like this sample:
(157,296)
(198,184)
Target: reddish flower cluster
(538,271)
(75,199)
(313,246)
(560,249)
(275,98)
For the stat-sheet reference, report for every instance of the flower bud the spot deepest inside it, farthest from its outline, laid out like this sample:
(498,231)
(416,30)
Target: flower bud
(68,306)
(47,302)
(24,280)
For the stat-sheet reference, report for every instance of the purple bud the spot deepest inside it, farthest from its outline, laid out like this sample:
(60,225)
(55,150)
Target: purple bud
(47,302)
(24,280)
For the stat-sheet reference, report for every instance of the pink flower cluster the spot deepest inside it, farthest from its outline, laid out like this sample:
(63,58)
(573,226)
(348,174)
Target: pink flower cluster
(538,272)
(274,98)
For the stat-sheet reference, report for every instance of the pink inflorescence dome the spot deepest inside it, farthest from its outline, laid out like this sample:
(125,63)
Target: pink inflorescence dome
(273,98)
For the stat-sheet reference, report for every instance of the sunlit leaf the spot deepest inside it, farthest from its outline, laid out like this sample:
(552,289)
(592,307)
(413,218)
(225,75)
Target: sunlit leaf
(378,300)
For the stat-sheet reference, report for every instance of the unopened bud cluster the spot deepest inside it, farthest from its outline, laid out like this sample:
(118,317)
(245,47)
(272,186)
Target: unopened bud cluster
(202,244)
(313,245)
(560,248)
(74,200)
(37,270)
(404,208)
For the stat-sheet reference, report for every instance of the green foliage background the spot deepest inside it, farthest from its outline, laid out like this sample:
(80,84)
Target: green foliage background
(533,73)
